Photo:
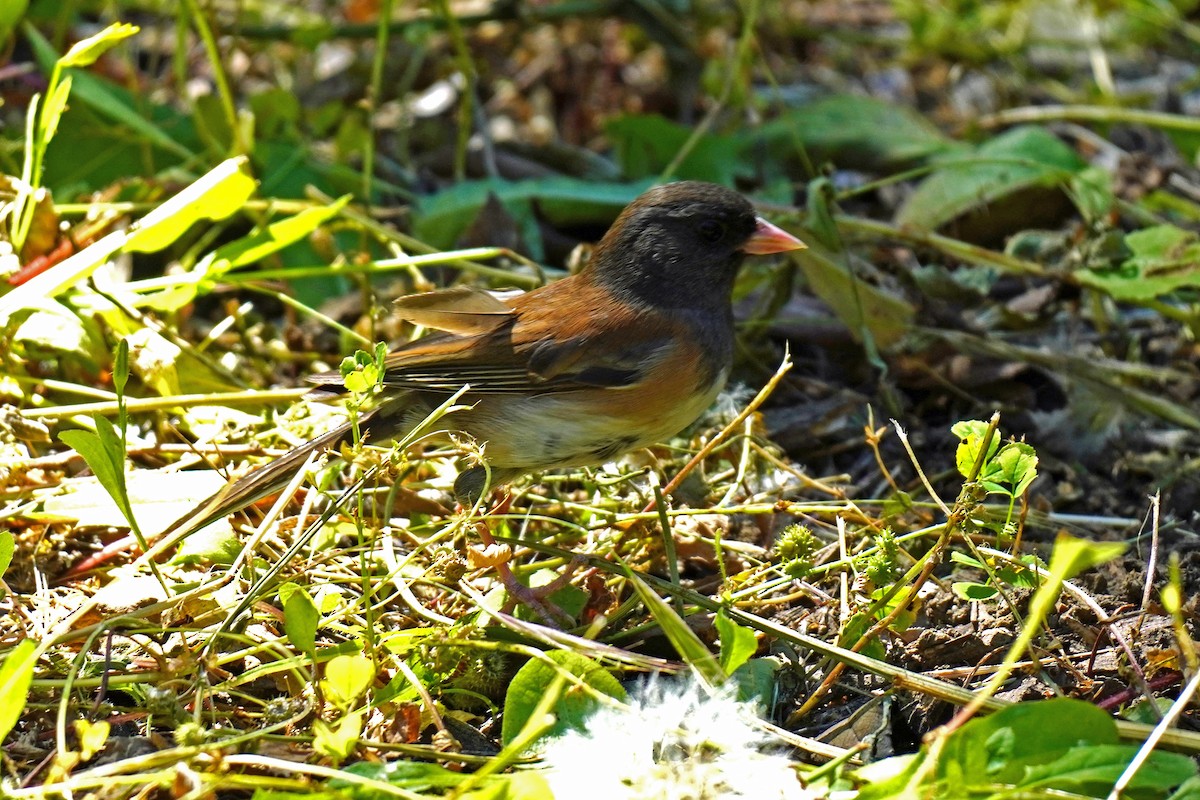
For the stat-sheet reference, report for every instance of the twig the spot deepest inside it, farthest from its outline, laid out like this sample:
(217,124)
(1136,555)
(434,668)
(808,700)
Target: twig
(1106,114)
(1152,561)
(1181,703)
(727,431)
(903,436)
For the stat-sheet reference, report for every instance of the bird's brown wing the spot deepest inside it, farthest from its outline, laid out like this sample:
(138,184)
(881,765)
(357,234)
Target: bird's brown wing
(538,346)
(463,310)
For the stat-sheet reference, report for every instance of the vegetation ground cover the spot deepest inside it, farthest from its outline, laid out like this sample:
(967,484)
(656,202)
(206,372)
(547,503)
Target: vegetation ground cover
(958,469)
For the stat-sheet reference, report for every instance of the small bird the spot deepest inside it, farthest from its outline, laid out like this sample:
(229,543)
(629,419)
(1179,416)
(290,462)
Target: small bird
(624,354)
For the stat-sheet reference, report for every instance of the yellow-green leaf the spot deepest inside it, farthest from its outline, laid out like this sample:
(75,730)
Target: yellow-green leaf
(337,740)
(216,195)
(300,617)
(86,51)
(16,674)
(346,678)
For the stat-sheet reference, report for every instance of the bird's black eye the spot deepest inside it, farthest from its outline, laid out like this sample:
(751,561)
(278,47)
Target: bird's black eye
(711,231)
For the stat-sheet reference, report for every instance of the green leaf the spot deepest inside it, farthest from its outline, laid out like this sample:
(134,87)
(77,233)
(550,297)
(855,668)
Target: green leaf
(892,778)
(1012,469)
(821,201)
(999,748)
(276,236)
(1091,190)
(962,558)
(646,144)
(300,617)
(1189,790)
(34,293)
(1095,768)
(276,113)
(1022,158)
(569,599)
(1072,556)
(528,785)
(52,111)
(973,591)
(110,439)
(757,681)
(134,123)
(855,629)
(347,677)
(415,776)
(904,617)
(8,546)
(86,51)
(1147,712)
(356,382)
(693,651)
(120,370)
(440,219)
(897,504)
(1038,749)
(1171,206)
(11,12)
(363,371)
(855,132)
(970,435)
(215,543)
(738,643)
(216,195)
(857,303)
(1164,258)
(1172,591)
(1023,577)
(16,675)
(337,740)
(573,708)
(105,456)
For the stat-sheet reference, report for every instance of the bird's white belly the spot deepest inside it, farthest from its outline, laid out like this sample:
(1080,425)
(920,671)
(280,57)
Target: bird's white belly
(558,430)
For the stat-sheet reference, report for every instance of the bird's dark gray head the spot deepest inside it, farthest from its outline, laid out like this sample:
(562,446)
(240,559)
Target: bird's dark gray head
(678,245)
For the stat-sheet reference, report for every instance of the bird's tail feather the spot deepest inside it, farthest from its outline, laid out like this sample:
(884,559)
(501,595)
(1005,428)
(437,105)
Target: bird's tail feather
(271,477)
(396,418)
(258,483)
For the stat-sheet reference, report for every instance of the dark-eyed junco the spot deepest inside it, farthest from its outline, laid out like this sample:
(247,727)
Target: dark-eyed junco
(622,355)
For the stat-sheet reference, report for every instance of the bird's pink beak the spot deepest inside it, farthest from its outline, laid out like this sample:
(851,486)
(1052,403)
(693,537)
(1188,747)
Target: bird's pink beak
(770,238)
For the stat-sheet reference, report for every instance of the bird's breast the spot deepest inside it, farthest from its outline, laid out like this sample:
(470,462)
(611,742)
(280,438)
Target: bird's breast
(588,426)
